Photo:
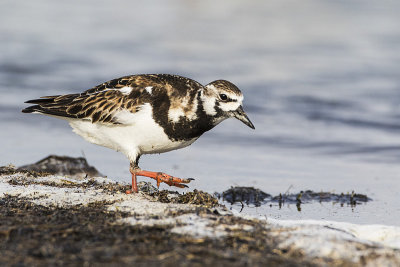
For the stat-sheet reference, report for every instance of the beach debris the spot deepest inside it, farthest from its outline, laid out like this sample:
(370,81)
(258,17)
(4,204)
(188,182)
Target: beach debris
(248,195)
(256,197)
(196,197)
(63,165)
(57,220)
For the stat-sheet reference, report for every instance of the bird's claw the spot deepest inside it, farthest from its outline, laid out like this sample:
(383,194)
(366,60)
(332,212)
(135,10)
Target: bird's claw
(161,177)
(178,185)
(172,181)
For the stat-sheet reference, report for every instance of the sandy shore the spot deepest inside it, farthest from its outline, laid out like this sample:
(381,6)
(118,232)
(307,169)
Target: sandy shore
(57,220)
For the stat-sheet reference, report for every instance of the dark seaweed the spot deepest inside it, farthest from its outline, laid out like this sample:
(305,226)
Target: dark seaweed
(33,235)
(252,196)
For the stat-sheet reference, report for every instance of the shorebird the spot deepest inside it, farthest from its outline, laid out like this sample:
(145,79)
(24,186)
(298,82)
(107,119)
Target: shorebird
(146,114)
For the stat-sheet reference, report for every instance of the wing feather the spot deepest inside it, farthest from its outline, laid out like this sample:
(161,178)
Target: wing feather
(99,104)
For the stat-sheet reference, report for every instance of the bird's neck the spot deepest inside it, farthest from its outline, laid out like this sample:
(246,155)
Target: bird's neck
(208,112)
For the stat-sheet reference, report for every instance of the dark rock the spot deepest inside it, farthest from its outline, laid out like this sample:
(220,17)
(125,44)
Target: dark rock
(63,165)
(249,195)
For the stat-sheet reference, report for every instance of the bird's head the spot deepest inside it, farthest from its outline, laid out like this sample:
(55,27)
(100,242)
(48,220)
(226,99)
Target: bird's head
(222,100)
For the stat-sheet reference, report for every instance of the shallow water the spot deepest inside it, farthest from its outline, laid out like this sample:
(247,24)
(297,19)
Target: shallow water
(321,83)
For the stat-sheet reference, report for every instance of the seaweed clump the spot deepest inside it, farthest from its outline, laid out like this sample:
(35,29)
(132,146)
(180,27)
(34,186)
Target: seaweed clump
(11,169)
(196,197)
(35,235)
(308,196)
(253,196)
(249,195)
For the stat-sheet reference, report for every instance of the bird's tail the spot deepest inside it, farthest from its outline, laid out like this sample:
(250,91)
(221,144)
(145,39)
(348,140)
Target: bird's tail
(49,105)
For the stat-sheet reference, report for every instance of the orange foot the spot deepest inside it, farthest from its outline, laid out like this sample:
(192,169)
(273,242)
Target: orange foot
(160,177)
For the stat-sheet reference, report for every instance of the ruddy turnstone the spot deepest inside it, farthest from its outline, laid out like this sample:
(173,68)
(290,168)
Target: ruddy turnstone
(145,114)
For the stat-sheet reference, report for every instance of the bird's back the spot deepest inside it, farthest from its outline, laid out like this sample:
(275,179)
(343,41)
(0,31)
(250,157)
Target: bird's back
(128,92)
(174,100)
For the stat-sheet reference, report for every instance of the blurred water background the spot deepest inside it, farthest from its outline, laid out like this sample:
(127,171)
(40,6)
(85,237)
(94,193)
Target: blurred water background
(321,81)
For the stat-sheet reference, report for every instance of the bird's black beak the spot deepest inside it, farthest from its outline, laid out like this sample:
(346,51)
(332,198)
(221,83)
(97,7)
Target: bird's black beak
(242,116)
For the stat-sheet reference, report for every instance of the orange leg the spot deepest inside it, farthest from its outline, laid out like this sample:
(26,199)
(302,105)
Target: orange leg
(159,177)
(134,184)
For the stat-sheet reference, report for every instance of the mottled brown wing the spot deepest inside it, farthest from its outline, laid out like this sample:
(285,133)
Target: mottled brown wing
(102,106)
(97,106)
(101,103)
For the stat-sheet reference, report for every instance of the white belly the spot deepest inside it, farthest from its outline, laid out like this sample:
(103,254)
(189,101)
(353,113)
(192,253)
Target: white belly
(138,134)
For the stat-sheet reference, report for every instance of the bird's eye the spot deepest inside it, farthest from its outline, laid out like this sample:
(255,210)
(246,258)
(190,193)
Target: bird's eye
(223,97)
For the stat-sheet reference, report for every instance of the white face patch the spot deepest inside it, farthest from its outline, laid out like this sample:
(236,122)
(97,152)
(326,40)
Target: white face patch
(149,89)
(233,105)
(209,101)
(209,105)
(240,99)
(229,106)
